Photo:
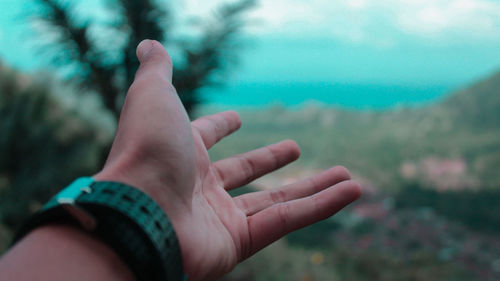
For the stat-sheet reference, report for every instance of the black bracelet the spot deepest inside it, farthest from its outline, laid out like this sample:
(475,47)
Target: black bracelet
(125,218)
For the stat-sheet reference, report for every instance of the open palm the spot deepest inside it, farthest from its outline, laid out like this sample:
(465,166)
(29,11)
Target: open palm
(158,150)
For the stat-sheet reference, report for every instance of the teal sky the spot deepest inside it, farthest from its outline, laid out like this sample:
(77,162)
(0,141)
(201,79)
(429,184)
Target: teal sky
(438,43)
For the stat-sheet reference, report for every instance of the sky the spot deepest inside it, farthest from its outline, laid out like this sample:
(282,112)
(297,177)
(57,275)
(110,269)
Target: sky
(436,43)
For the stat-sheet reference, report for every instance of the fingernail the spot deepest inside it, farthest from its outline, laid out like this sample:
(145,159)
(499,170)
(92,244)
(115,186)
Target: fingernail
(144,48)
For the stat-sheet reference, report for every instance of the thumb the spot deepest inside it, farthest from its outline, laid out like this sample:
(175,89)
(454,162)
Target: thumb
(154,59)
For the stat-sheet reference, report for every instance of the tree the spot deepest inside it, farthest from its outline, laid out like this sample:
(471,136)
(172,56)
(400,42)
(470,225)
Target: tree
(43,146)
(109,70)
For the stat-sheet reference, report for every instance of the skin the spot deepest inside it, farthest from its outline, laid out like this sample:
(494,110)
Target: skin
(158,150)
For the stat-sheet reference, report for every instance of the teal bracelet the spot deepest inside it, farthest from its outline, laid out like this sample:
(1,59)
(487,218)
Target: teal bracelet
(125,218)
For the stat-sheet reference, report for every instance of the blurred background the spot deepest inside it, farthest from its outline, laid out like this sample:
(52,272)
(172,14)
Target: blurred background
(406,94)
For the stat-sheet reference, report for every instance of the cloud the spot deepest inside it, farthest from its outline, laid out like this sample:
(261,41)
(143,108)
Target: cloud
(459,17)
(382,23)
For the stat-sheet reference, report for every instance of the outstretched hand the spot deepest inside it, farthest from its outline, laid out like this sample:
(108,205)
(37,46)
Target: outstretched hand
(158,150)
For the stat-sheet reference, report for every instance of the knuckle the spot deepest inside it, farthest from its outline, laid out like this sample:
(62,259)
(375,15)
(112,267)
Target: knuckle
(143,85)
(160,77)
(221,176)
(244,204)
(154,77)
(208,131)
(313,182)
(160,54)
(318,207)
(283,213)
(217,127)
(248,167)
(274,155)
(277,196)
(154,72)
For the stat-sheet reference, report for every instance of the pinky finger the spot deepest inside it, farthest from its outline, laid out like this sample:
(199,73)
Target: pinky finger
(280,219)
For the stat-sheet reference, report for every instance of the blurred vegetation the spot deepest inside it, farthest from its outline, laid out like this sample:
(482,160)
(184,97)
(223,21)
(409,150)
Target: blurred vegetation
(479,210)
(373,265)
(430,174)
(430,144)
(430,208)
(43,146)
(410,244)
(409,226)
(478,106)
(101,53)
(45,143)
(282,261)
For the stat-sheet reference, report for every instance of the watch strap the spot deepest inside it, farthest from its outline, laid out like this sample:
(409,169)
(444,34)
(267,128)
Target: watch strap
(126,219)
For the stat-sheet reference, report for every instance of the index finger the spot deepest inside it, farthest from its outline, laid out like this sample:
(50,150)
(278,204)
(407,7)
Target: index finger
(214,127)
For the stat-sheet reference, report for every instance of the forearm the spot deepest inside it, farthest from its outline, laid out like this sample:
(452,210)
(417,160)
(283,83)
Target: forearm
(59,252)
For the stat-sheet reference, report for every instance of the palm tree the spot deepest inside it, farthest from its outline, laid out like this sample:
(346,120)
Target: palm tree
(109,69)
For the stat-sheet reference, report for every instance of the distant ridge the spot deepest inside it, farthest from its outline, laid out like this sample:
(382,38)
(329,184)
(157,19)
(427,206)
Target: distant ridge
(477,105)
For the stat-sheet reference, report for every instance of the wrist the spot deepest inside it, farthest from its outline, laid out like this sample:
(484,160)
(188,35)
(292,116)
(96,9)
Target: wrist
(158,185)
(63,252)
(124,218)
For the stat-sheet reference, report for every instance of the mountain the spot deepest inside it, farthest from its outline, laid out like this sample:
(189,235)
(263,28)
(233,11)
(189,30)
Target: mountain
(453,144)
(479,104)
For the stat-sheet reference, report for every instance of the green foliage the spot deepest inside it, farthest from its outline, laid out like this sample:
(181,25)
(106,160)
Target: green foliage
(315,236)
(429,235)
(206,60)
(478,105)
(478,209)
(109,68)
(376,145)
(43,147)
(279,262)
(373,266)
(282,261)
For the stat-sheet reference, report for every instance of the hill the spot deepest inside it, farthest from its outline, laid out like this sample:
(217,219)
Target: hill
(430,207)
(478,105)
(450,145)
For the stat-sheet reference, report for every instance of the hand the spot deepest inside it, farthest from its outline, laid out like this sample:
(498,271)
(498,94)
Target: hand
(158,150)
